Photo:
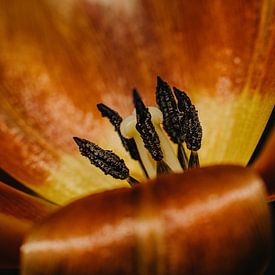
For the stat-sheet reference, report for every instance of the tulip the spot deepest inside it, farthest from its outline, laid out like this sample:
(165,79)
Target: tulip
(58,59)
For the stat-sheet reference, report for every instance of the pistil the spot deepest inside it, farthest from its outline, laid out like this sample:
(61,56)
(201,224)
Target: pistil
(129,144)
(142,136)
(148,133)
(128,129)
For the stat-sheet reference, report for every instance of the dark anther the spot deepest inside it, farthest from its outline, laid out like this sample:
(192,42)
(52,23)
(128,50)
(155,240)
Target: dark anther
(184,101)
(146,128)
(190,119)
(194,135)
(116,119)
(171,117)
(105,160)
(112,115)
(128,144)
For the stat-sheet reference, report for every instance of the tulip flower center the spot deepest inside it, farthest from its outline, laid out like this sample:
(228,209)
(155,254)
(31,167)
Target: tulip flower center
(145,135)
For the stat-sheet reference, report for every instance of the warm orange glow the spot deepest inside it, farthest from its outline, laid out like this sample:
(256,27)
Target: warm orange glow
(18,212)
(163,227)
(58,60)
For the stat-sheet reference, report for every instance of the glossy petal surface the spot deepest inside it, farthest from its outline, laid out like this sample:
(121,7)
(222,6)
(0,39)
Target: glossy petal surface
(18,212)
(59,58)
(265,165)
(177,224)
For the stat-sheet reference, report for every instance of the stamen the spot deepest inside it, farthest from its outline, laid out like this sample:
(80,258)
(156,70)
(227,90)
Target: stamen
(116,120)
(132,181)
(191,120)
(105,160)
(128,130)
(112,115)
(129,144)
(171,116)
(146,128)
(163,168)
(142,136)
(184,104)
(194,160)
(184,101)
(172,122)
(194,135)
(182,157)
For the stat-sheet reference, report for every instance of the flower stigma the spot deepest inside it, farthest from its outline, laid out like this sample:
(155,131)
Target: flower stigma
(144,134)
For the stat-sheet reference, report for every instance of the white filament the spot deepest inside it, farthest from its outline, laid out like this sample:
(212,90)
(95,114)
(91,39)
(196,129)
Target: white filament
(128,130)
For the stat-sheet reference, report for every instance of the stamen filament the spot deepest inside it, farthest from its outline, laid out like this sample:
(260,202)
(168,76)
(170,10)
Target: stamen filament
(142,136)
(147,160)
(194,160)
(182,157)
(163,168)
(169,155)
(128,130)
(132,181)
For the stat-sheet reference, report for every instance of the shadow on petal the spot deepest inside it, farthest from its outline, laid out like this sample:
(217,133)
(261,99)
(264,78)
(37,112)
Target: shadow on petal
(207,221)
(265,165)
(18,212)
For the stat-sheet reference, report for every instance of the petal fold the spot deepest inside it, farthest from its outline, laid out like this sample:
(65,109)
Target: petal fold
(18,212)
(207,221)
(265,165)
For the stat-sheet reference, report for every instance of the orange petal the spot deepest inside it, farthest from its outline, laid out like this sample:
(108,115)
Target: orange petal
(60,59)
(265,165)
(207,221)
(18,212)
